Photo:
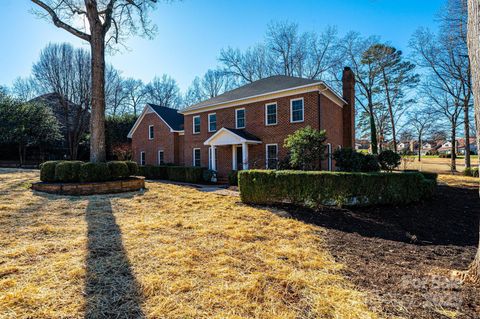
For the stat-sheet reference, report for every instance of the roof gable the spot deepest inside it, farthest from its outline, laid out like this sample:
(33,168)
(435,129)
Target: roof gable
(169,116)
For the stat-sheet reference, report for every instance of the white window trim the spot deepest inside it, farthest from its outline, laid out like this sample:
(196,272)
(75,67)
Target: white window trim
(291,110)
(266,153)
(142,154)
(151,131)
(158,157)
(193,156)
(244,118)
(210,122)
(266,114)
(193,124)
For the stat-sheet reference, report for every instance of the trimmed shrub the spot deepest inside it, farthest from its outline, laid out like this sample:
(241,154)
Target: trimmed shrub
(389,160)
(233,178)
(153,172)
(445,156)
(47,171)
(471,171)
(369,163)
(94,172)
(349,160)
(118,169)
(209,175)
(67,171)
(132,168)
(315,189)
(185,174)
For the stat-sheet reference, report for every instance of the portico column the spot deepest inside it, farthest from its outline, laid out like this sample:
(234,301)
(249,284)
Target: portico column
(212,157)
(245,155)
(234,157)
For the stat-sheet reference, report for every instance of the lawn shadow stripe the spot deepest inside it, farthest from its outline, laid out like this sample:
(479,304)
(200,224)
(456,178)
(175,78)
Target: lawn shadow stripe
(110,286)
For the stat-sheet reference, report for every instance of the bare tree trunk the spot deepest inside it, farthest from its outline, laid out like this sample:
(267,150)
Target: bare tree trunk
(453,157)
(466,128)
(373,128)
(97,120)
(473,41)
(419,147)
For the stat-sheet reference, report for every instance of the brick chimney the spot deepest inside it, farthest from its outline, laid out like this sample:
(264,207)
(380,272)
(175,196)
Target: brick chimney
(348,83)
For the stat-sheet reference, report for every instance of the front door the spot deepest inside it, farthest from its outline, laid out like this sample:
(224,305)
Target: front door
(239,158)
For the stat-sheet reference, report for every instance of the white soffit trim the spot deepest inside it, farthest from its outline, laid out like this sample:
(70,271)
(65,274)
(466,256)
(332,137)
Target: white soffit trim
(227,137)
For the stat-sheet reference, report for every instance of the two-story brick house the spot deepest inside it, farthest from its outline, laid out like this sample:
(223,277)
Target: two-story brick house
(245,127)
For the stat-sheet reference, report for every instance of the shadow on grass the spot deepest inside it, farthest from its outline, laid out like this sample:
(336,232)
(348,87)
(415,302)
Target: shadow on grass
(450,218)
(111,288)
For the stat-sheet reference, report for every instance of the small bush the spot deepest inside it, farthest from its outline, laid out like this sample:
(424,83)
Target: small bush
(369,163)
(233,178)
(445,156)
(389,160)
(314,189)
(349,160)
(67,171)
(132,167)
(471,171)
(153,172)
(47,171)
(432,152)
(118,169)
(94,172)
(209,176)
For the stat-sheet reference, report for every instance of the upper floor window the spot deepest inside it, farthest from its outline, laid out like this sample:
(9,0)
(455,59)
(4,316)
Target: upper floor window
(271,114)
(212,122)
(196,124)
(196,157)
(240,118)
(296,110)
(272,156)
(150,132)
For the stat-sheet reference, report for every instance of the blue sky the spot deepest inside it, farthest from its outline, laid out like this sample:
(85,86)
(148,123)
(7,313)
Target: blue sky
(192,32)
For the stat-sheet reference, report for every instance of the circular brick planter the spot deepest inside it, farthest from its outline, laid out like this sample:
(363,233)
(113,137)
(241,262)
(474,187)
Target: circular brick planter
(127,185)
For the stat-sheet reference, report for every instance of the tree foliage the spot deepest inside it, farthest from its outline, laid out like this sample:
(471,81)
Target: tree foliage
(306,148)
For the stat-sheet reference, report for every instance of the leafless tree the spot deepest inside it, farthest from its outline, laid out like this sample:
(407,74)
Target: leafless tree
(213,83)
(421,123)
(164,91)
(286,51)
(444,56)
(101,23)
(474,53)
(135,91)
(367,75)
(115,92)
(64,70)
(25,89)
(445,106)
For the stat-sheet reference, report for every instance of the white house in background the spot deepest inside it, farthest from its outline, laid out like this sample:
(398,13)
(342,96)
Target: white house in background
(446,148)
(402,146)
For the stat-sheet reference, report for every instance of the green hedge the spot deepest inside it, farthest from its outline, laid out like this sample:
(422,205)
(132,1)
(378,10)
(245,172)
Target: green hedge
(76,171)
(67,171)
(47,171)
(174,173)
(314,189)
(471,171)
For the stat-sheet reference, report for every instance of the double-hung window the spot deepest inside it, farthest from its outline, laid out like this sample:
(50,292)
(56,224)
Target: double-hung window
(212,122)
(161,157)
(296,110)
(240,118)
(271,114)
(272,156)
(142,158)
(196,157)
(150,132)
(196,124)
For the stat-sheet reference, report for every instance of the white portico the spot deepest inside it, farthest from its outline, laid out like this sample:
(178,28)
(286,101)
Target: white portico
(238,139)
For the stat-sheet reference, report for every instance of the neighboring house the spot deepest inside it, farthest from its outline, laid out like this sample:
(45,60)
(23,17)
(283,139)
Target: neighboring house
(246,127)
(403,146)
(461,146)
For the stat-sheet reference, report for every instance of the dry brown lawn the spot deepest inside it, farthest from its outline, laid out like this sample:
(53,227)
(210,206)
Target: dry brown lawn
(168,252)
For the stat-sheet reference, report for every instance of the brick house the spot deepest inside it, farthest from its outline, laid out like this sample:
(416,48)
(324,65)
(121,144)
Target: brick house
(246,127)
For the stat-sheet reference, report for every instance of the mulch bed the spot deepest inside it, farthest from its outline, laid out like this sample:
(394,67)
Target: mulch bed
(403,257)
